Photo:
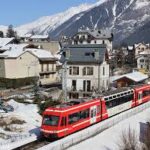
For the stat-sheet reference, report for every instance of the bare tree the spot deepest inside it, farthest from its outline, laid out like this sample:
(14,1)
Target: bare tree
(128,140)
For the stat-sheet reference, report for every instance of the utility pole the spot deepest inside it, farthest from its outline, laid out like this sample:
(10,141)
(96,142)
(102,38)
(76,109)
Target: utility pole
(65,80)
(65,74)
(98,63)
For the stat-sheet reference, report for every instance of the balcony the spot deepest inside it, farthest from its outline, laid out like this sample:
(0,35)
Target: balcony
(47,71)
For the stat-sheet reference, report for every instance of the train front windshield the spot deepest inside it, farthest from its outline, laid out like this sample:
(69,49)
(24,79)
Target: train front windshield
(51,120)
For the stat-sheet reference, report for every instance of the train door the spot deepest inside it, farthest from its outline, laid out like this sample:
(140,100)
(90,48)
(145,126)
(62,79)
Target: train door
(140,96)
(64,126)
(93,112)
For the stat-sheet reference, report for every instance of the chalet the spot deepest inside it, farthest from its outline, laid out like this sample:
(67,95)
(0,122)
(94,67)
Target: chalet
(87,69)
(141,47)
(25,37)
(39,38)
(129,79)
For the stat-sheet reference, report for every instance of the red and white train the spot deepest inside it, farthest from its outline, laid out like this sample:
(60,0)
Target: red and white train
(75,115)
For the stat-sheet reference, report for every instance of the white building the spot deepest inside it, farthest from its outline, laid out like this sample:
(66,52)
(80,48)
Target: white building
(93,36)
(143,61)
(87,69)
(141,47)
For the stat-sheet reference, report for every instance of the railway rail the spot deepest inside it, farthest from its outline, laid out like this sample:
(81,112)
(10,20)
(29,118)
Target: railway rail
(33,145)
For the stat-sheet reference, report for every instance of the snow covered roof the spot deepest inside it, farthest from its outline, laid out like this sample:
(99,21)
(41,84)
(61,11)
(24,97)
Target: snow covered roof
(39,37)
(41,54)
(135,76)
(15,51)
(130,47)
(26,35)
(14,46)
(137,45)
(5,41)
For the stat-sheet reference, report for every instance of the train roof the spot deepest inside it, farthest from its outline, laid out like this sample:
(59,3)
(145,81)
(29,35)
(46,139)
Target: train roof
(107,96)
(71,103)
(119,90)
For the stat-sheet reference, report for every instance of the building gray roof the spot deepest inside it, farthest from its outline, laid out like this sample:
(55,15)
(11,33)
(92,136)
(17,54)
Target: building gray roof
(90,53)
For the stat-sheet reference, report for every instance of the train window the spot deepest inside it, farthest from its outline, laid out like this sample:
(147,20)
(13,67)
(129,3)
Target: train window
(110,97)
(98,109)
(63,121)
(119,101)
(78,116)
(84,114)
(106,99)
(109,104)
(92,113)
(74,118)
(140,95)
(146,93)
(51,120)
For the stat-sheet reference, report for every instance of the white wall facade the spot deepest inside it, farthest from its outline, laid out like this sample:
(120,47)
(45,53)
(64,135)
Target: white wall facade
(28,65)
(106,41)
(100,74)
(143,62)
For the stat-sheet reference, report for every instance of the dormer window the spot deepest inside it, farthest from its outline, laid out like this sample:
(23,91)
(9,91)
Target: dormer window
(99,31)
(87,54)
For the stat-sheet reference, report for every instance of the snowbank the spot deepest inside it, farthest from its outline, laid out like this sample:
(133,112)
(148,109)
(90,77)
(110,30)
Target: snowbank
(30,128)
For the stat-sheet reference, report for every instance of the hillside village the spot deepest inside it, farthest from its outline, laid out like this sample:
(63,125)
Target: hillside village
(83,64)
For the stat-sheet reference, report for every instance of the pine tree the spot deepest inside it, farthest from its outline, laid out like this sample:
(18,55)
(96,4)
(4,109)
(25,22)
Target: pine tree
(10,32)
(1,34)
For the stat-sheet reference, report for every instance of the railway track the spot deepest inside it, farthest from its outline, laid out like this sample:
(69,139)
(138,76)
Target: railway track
(33,145)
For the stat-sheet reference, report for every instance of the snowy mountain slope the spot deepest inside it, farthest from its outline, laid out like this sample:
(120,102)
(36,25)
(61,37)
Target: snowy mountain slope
(49,23)
(122,17)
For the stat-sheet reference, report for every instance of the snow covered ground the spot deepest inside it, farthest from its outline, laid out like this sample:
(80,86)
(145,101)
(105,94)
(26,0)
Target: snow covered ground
(27,114)
(110,138)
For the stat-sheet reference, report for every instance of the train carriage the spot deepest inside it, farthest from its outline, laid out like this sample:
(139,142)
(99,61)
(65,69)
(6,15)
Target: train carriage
(119,101)
(73,116)
(77,114)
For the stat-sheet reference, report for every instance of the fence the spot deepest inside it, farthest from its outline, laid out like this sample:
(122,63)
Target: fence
(93,130)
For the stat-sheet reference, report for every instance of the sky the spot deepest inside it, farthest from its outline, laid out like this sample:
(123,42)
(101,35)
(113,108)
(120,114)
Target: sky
(18,12)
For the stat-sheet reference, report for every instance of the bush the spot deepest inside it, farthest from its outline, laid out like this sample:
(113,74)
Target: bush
(129,140)
(17,121)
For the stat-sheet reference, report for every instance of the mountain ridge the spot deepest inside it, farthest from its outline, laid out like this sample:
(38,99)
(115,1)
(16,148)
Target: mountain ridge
(123,18)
